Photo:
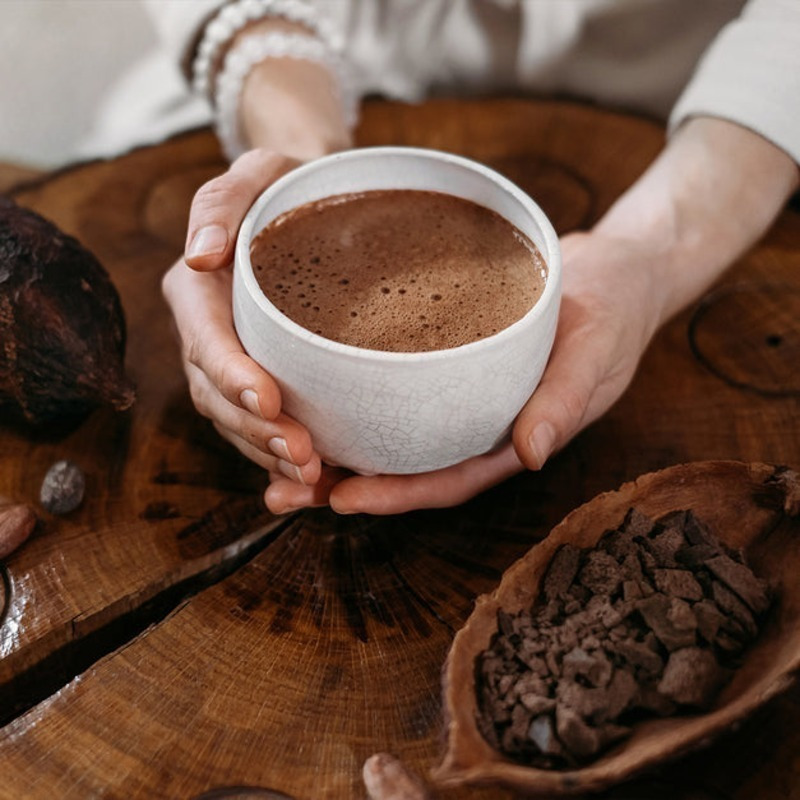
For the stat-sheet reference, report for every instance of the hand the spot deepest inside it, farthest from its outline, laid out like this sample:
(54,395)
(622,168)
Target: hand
(609,311)
(227,386)
(714,189)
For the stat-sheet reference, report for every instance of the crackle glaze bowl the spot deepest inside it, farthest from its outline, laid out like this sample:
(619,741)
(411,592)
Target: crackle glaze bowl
(396,412)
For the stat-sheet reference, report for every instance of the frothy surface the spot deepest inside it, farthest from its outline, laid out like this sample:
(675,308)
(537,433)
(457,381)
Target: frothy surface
(398,270)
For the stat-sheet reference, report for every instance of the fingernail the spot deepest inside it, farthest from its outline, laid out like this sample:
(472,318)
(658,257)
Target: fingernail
(279,447)
(339,508)
(249,400)
(290,471)
(541,442)
(209,241)
(344,511)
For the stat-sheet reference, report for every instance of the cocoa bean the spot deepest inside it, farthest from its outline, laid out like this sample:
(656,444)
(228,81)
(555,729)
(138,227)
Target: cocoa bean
(16,524)
(62,488)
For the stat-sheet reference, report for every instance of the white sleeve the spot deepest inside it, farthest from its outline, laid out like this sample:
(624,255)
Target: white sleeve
(179,24)
(751,75)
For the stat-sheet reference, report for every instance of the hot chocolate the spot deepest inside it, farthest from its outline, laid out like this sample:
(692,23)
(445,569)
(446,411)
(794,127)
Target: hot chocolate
(398,270)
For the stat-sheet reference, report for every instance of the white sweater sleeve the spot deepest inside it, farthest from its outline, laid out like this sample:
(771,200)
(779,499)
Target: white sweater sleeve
(751,75)
(179,24)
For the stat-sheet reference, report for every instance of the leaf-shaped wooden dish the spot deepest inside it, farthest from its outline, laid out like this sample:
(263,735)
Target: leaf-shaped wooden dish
(754,507)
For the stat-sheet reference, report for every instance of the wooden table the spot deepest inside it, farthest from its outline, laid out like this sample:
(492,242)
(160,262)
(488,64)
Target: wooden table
(171,637)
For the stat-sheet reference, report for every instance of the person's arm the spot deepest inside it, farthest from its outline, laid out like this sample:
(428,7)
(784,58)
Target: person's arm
(292,106)
(712,193)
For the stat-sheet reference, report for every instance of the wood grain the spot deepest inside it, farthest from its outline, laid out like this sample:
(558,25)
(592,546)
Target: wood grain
(166,500)
(327,645)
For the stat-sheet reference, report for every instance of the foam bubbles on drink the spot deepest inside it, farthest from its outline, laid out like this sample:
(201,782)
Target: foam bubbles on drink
(398,270)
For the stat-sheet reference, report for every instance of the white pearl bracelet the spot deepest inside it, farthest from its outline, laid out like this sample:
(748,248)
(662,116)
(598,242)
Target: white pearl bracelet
(254,49)
(236,16)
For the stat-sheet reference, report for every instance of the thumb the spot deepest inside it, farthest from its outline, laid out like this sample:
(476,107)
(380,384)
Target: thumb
(220,205)
(565,401)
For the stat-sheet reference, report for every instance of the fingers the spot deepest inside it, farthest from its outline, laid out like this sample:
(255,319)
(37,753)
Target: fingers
(201,307)
(394,494)
(302,476)
(281,437)
(283,495)
(220,205)
(588,370)
(226,385)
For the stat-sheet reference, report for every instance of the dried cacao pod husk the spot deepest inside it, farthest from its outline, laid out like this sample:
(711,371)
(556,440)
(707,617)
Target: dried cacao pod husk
(751,509)
(62,328)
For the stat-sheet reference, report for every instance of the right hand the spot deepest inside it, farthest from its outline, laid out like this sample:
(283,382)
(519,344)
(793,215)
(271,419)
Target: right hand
(226,385)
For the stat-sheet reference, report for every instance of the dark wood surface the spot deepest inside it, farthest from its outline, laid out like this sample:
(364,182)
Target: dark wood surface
(172,637)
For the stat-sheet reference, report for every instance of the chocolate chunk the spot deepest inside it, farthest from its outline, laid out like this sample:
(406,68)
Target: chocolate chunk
(648,561)
(631,567)
(536,664)
(621,693)
(637,524)
(632,590)
(552,662)
(541,733)
(697,533)
(505,623)
(731,604)
(695,555)
(639,655)
(650,640)
(530,683)
(671,620)
(674,519)
(595,668)
(561,571)
(537,703)
(709,619)
(577,736)
(692,677)
(552,612)
(601,573)
(579,593)
(618,633)
(505,684)
(665,546)
(650,699)
(520,723)
(741,580)
(728,643)
(678,582)
(568,635)
(589,702)
(572,607)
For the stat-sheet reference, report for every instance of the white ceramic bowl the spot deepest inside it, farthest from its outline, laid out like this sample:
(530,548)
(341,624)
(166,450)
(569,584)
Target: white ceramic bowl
(387,412)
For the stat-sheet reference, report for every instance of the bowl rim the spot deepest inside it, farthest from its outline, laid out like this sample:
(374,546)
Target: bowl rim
(243,268)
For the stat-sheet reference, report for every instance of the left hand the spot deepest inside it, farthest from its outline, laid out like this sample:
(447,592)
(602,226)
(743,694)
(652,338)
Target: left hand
(610,308)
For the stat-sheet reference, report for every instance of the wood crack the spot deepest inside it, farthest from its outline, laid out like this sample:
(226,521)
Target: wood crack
(35,684)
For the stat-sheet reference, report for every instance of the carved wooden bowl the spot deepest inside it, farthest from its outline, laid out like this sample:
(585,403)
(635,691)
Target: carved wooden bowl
(754,507)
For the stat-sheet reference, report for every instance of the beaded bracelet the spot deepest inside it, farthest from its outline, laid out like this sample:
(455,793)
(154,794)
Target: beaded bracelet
(250,51)
(236,16)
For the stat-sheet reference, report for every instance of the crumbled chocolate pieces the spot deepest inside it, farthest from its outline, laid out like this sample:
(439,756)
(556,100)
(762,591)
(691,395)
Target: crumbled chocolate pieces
(649,621)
